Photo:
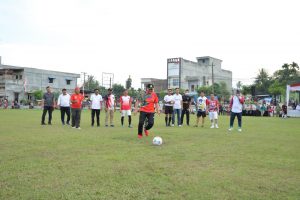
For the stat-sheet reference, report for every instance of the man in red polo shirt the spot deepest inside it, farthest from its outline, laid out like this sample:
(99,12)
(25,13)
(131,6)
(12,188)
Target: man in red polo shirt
(148,104)
(76,100)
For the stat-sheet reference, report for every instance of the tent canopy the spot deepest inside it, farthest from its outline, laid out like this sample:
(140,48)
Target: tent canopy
(293,87)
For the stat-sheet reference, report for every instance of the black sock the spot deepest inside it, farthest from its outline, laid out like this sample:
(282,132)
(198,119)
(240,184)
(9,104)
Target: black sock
(122,120)
(129,120)
(166,119)
(170,118)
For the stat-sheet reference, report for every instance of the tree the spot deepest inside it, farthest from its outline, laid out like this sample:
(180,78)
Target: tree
(247,89)
(118,90)
(38,94)
(91,83)
(239,85)
(288,74)
(262,81)
(128,83)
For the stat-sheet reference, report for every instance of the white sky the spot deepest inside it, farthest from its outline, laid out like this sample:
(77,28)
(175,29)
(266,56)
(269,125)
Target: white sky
(135,37)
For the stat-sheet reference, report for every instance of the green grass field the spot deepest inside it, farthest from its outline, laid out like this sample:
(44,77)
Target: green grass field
(58,162)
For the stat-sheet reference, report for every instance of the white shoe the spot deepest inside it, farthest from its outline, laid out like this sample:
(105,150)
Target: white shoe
(217,126)
(79,128)
(239,130)
(172,125)
(230,129)
(179,125)
(212,126)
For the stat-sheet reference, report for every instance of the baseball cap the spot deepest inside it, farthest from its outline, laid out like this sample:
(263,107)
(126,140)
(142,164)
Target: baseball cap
(110,89)
(150,86)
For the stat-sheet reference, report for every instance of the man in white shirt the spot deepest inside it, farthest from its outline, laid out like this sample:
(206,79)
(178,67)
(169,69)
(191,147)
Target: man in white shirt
(177,107)
(236,108)
(96,101)
(64,103)
(168,101)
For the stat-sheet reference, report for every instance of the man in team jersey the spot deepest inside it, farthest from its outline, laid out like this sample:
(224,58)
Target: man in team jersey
(125,105)
(148,103)
(201,108)
(213,109)
(169,102)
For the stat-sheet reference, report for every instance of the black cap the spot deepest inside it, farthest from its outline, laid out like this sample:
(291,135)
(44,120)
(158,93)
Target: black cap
(238,92)
(109,89)
(150,86)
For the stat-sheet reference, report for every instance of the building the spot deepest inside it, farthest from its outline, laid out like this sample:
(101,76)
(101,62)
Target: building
(159,84)
(19,83)
(190,75)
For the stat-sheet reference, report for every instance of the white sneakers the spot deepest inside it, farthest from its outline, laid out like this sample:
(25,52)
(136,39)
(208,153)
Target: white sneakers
(239,129)
(212,126)
(216,126)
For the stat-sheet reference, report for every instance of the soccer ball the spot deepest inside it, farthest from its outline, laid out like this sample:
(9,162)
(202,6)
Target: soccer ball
(157,141)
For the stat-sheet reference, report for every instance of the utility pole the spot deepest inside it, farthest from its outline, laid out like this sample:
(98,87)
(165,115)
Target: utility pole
(84,73)
(212,77)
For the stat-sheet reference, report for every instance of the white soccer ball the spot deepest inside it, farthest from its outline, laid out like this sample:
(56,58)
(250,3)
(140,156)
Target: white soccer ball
(157,140)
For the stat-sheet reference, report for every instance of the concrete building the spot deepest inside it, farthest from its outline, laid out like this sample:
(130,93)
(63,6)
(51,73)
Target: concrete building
(159,84)
(19,83)
(190,75)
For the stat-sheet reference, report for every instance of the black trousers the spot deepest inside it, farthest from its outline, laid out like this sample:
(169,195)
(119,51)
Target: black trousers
(76,113)
(48,109)
(63,111)
(144,116)
(97,113)
(187,112)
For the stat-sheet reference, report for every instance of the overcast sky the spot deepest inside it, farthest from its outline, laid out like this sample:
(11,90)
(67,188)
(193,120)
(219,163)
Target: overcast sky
(135,37)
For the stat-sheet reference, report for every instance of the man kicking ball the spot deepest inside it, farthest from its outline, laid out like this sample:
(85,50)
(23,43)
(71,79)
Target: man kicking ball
(148,103)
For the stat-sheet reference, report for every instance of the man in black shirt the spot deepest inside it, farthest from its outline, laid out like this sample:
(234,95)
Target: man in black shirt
(48,104)
(186,101)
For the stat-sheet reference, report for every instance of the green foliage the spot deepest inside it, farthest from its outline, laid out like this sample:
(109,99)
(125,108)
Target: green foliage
(276,88)
(38,94)
(219,90)
(118,89)
(91,83)
(128,83)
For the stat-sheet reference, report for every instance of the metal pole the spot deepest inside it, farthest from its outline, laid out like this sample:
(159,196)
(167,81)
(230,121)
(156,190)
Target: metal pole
(84,73)
(212,76)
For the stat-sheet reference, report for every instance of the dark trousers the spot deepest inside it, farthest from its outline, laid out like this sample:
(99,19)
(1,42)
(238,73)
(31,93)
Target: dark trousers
(76,113)
(144,116)
(48,109)
(63,111)
(178,112)
(187,112)
(232,117)
(97,112)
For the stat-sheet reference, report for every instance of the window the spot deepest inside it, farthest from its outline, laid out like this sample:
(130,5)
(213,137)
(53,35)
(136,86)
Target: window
(68,81)
(192,88)
(17,77)
(175,82)
(51,80)
(20,77)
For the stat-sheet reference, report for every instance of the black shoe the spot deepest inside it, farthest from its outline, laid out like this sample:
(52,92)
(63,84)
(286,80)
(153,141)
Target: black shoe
(68,123)
(43,123)
(98,125)
(106,125)
(112,125)
(92,125)
(49,123)
(63,123)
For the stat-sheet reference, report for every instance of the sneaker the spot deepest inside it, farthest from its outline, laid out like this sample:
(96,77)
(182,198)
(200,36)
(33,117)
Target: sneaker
(43,123)
(63,123)
(146,132)
(49,123)
(202,125)
(130,126)
(212,126)
(239,130)
(106,125)
(216,126)
(112,125)
(98,125)
(179,125)
(230,129)
(140,136)
(78,128)
(172,125)
(196,126)
(73,127)
(68,123)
